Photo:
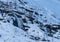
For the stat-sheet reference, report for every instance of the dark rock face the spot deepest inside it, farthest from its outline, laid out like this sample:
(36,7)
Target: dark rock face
(0,36)
(25,28)
(52,29)
(24,20)
(15,23)
(35,38)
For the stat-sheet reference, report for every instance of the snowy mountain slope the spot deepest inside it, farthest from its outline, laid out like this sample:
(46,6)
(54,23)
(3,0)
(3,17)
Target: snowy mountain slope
(25,20)
(51,5)
(11,34)
(14,34)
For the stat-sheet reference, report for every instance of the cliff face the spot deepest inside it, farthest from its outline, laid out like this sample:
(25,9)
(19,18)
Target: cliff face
(20,19)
